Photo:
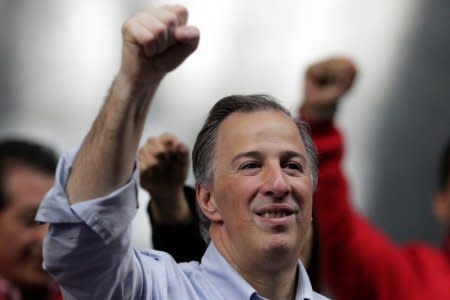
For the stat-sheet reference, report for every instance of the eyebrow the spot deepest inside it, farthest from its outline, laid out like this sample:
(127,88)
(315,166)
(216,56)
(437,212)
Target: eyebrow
(254,154)
(284,155)
(289,154)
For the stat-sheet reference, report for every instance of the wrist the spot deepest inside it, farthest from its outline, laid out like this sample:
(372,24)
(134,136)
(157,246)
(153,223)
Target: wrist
(317,113)
(170,209)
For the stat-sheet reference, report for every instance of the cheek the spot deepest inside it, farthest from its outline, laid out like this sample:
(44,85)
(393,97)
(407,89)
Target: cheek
(19,241)
(240,190)
(16,235)
(303,190)
(244,192)
(236,198)
(10,231)
(13,253)
(247,187)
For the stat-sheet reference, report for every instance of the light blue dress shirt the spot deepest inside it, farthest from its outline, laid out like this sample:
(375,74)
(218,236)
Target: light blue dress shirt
(89,252)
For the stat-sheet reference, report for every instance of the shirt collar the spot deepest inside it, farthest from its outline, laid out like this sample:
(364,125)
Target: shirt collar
(223,275)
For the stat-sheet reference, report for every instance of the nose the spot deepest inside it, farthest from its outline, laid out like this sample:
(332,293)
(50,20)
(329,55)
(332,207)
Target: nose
(275,182)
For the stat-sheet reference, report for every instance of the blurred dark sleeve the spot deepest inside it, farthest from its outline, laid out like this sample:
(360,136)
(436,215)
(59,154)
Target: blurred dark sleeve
(183,241)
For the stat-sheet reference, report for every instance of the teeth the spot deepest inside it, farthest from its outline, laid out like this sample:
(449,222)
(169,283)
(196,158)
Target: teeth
(273,214)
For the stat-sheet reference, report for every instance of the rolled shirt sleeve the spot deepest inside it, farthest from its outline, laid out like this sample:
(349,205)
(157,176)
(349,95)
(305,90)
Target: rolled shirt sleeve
(88,248)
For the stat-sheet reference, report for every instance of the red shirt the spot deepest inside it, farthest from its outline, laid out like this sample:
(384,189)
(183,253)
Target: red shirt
(10,292)
(357,260)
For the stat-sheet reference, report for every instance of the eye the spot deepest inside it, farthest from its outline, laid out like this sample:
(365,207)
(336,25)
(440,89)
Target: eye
(250,165)
(250,168)
(294,168)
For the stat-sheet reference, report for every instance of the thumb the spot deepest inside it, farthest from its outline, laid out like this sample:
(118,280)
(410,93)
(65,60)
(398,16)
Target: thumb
(187,35)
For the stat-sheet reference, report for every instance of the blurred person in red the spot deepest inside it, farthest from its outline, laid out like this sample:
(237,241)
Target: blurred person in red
(357,260)
(26,174)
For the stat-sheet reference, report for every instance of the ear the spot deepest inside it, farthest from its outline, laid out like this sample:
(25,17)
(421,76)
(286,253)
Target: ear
(441,207)
(207,203)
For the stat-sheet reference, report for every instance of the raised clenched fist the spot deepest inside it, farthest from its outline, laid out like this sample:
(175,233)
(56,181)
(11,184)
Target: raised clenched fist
(325,83)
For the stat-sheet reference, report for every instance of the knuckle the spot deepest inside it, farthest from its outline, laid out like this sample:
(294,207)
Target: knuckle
(171,19)
(180,9)
(127,27)
(141,15)
(159,30)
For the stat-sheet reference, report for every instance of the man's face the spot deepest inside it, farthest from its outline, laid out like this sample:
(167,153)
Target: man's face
(262,188)
(20,237)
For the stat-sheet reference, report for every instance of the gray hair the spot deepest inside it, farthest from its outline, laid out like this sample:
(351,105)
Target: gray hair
(203,153)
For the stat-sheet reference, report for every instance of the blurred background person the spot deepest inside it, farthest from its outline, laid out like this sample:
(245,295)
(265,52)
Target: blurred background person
(26,174)
(163,163)
(357,260)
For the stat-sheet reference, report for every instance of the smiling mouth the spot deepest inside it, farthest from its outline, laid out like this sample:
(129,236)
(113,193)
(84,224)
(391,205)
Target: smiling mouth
(275,214)
(276,211)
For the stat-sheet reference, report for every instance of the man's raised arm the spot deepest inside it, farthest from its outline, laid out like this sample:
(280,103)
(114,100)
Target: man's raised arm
(88,246)
(155,41)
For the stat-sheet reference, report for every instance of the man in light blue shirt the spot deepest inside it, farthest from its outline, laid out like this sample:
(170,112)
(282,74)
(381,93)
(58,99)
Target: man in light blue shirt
(255,170)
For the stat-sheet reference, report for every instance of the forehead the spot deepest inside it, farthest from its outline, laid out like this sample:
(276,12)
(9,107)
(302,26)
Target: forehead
(259,130)
(26,186)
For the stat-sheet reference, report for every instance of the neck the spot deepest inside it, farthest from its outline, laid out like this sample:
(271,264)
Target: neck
(272,274)
(273,285)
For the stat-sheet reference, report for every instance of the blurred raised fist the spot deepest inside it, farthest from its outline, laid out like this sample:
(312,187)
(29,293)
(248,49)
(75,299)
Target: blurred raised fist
(163,163)
(325,83)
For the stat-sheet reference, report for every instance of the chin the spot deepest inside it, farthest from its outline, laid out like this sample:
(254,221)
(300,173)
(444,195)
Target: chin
(280,257)
(281,246)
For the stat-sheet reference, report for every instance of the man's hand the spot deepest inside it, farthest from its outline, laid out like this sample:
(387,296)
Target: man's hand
(325,83)
(156,41)
(163,163)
